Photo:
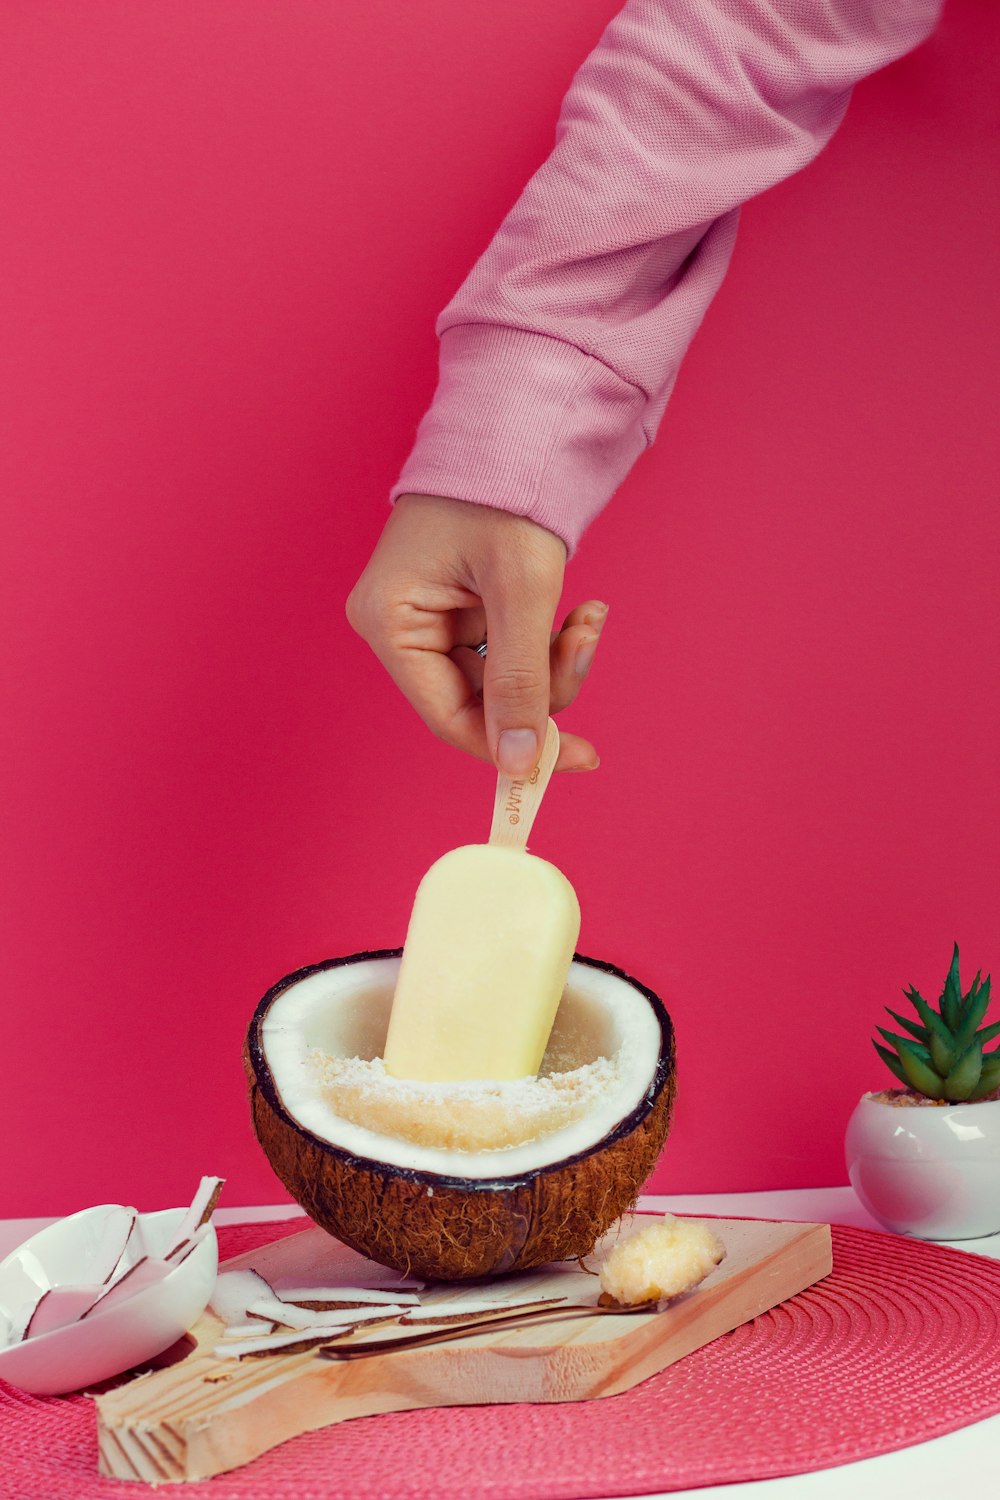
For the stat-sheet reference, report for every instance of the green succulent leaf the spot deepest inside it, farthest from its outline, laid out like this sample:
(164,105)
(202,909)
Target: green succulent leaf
(899,1042)
(931,1019)
(965,1074)
(915,998)
(892,1062)
(951,995)
(921,1033)
(989,1078)
(919,1072)
(944,1055)
(974,1013)
(984,989)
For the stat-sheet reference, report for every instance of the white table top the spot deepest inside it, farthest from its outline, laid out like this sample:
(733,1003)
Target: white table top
(960,1461)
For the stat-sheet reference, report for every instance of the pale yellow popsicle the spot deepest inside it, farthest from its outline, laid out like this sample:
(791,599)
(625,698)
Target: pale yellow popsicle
(487,953)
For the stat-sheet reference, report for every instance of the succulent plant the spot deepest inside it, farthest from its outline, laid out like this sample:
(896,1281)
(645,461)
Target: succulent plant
(943,1057)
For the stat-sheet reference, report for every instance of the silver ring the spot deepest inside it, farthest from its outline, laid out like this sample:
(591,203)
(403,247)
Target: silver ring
(480,650)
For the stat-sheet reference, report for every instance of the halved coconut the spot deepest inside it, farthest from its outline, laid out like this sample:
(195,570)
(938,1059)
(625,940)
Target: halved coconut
(448,1213)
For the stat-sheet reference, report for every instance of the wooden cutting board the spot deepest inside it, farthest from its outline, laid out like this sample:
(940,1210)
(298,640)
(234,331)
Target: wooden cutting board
(202,1415)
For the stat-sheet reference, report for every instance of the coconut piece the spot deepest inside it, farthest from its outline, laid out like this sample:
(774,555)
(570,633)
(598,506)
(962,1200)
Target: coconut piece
(198,1213)
(288,1342)
(133,1248)
(275,1311)
(666,1258)
(21,1289)
(113,1236)
(477,1116)
(442,1213)
(144,1273)
(6,1329)
(235,1290)
(252,1328)
(304,1317)
(474,1307)
(405,1284)
(183,1251)
(60,1305)
(41,1308)
(319,1297)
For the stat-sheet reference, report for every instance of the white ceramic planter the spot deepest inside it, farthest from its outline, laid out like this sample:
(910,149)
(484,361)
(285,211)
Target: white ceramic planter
(930,1172)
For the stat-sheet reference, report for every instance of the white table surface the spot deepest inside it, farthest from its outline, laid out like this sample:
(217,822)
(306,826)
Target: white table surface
(961,1461)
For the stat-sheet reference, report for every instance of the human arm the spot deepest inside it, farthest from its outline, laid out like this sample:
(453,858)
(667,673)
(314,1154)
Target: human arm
(560,350)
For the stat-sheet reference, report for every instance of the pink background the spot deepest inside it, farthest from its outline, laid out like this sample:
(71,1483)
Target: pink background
(226,233)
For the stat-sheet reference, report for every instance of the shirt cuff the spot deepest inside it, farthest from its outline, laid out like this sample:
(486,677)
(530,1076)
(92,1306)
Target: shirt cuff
(528,424)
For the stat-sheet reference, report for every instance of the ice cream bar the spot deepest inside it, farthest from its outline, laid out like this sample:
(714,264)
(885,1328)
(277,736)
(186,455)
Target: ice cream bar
(487,952)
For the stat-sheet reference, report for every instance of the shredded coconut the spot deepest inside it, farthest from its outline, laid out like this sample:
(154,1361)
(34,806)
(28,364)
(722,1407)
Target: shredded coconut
(478,1116)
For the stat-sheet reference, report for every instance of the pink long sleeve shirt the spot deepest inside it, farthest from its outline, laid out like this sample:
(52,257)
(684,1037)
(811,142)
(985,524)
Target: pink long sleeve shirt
(559,351)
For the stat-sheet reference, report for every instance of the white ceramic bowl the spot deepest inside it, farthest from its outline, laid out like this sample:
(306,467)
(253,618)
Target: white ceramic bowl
(106,1343)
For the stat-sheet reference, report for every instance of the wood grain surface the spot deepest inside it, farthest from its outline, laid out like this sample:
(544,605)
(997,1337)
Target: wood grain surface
(205,1415)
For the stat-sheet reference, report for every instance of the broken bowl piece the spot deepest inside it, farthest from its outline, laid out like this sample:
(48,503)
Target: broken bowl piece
(133,1326)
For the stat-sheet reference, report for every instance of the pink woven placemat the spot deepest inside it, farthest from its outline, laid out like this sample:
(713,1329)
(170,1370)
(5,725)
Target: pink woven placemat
(899,1344)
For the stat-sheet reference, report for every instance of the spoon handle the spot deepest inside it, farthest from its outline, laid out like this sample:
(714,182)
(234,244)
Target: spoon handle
(519,797)
(366,1348)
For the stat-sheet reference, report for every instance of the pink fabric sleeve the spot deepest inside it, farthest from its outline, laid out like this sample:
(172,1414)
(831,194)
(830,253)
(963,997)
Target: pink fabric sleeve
(559,351)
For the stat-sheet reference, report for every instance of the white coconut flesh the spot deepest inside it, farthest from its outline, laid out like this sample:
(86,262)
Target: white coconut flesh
(322,1040)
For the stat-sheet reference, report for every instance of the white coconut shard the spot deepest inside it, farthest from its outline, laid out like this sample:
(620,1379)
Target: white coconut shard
(333,1295)
(33,1307)
(286,1341)
(23,1283)
(346,1315)
(198,1213)
(234,1291)
(21,1286)
(116,1261)
(112,1260)
(182,1252)
(601,1055)
(662,1260)
(252,1328)
(407,1285)
(469,1306)
(60,1305)
(144,1273)
(287,1314)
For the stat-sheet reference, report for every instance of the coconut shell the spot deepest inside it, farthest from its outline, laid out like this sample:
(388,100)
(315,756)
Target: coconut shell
(454,1229)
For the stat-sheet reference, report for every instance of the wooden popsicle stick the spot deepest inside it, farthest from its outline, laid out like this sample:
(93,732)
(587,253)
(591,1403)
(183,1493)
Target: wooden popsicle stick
(519,797)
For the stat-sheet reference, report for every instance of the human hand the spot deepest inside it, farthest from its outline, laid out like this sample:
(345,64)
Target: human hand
(445,572)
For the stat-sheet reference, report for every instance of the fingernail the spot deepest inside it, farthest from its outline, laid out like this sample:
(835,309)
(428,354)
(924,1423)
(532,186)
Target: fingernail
(585,654)
(517,751)
(592,767)
(596,618)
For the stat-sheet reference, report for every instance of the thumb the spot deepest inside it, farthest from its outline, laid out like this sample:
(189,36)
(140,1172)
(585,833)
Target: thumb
(516,676)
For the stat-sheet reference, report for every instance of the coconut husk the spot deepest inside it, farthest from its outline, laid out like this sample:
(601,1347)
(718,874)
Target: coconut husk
(445,1228)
